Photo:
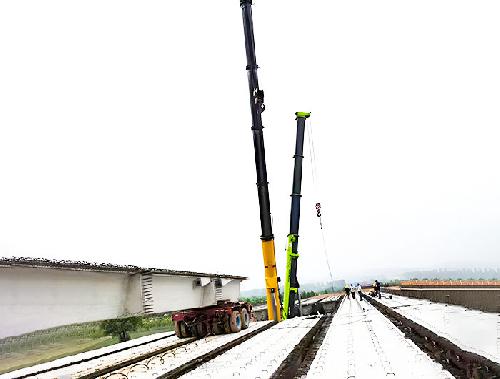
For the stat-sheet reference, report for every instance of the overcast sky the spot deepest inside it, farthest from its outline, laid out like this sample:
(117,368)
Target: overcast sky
(125,133)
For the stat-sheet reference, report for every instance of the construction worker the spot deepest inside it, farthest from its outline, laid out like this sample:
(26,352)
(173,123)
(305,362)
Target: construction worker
(358,289)
(347,289)
(376,286)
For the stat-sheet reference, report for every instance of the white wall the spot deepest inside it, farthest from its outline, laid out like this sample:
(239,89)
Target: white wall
(39,298)
(231,290)
(133,295)
(173,293)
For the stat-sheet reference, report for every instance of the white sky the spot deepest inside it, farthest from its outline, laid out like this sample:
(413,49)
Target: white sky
(125,133)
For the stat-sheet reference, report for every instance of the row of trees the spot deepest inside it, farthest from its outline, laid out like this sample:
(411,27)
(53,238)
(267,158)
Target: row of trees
(455,274)
(457,278)
(259,300)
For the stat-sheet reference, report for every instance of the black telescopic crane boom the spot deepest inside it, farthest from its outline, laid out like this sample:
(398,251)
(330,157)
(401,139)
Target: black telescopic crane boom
(257,107)
(291,283)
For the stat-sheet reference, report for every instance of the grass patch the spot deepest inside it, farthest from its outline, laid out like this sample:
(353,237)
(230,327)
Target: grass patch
(50,344)
(48,352)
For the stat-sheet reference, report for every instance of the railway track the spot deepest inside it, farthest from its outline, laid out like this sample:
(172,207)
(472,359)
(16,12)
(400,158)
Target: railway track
(264,352)
(261,356)
(359,339)
(183,359)
(166,357)
(462,363)
(110,358)
(362,343)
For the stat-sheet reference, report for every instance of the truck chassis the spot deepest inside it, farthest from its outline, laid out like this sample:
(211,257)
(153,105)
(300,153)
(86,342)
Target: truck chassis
(225,317)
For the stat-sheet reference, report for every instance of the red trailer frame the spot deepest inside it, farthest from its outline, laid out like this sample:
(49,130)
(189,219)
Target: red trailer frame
(225,317)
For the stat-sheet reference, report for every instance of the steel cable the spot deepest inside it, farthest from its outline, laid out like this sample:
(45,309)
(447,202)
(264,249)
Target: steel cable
(314,174)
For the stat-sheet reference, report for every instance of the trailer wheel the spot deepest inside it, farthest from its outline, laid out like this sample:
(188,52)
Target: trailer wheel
(178,329)
(216,328)
(235,322)
(227,324)
(181,329)
(201,330)
(185,330)
(245,318)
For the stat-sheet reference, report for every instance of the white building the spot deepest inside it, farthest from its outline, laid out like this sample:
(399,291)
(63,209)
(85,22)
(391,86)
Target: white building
(38,293)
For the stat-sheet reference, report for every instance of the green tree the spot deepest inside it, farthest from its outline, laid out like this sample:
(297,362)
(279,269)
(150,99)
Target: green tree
(120,327)
(254,300)
(307,294)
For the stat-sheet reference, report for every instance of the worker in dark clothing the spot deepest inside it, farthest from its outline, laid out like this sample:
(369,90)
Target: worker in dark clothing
(347,290)
(377,289)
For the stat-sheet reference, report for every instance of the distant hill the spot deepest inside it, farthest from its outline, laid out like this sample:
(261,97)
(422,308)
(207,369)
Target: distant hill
(316,286)
(443,274)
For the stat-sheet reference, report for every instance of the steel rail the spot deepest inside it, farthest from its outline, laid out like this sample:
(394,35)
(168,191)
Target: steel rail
(297,363)
(196,362)
(461,363)
(85,360)
(292,362)
(135,360)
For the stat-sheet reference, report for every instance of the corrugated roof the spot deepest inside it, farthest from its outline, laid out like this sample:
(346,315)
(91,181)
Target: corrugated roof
(109,267)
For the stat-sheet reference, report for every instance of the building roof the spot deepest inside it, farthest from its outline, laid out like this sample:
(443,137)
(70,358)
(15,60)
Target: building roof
(106,267)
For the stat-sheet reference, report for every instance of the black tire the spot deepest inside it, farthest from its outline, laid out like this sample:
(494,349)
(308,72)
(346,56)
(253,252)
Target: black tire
(201,330)
(235,322)
(177,326)
(185,332)
(245,318)
(216,328)
(227,325)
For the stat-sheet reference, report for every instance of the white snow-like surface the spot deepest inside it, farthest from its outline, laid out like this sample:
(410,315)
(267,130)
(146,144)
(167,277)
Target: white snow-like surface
(260,356)
(362,343)
(259,307)
(309,301)
(471,330)
(330,298)
(172,359)
(100,362)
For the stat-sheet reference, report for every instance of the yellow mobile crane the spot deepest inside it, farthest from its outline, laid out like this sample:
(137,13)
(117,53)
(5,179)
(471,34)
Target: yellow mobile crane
(257,107)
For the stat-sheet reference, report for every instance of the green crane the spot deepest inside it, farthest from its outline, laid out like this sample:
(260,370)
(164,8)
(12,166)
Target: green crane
(291,301)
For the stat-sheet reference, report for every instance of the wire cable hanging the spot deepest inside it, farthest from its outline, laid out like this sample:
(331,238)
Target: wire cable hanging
(314,173)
